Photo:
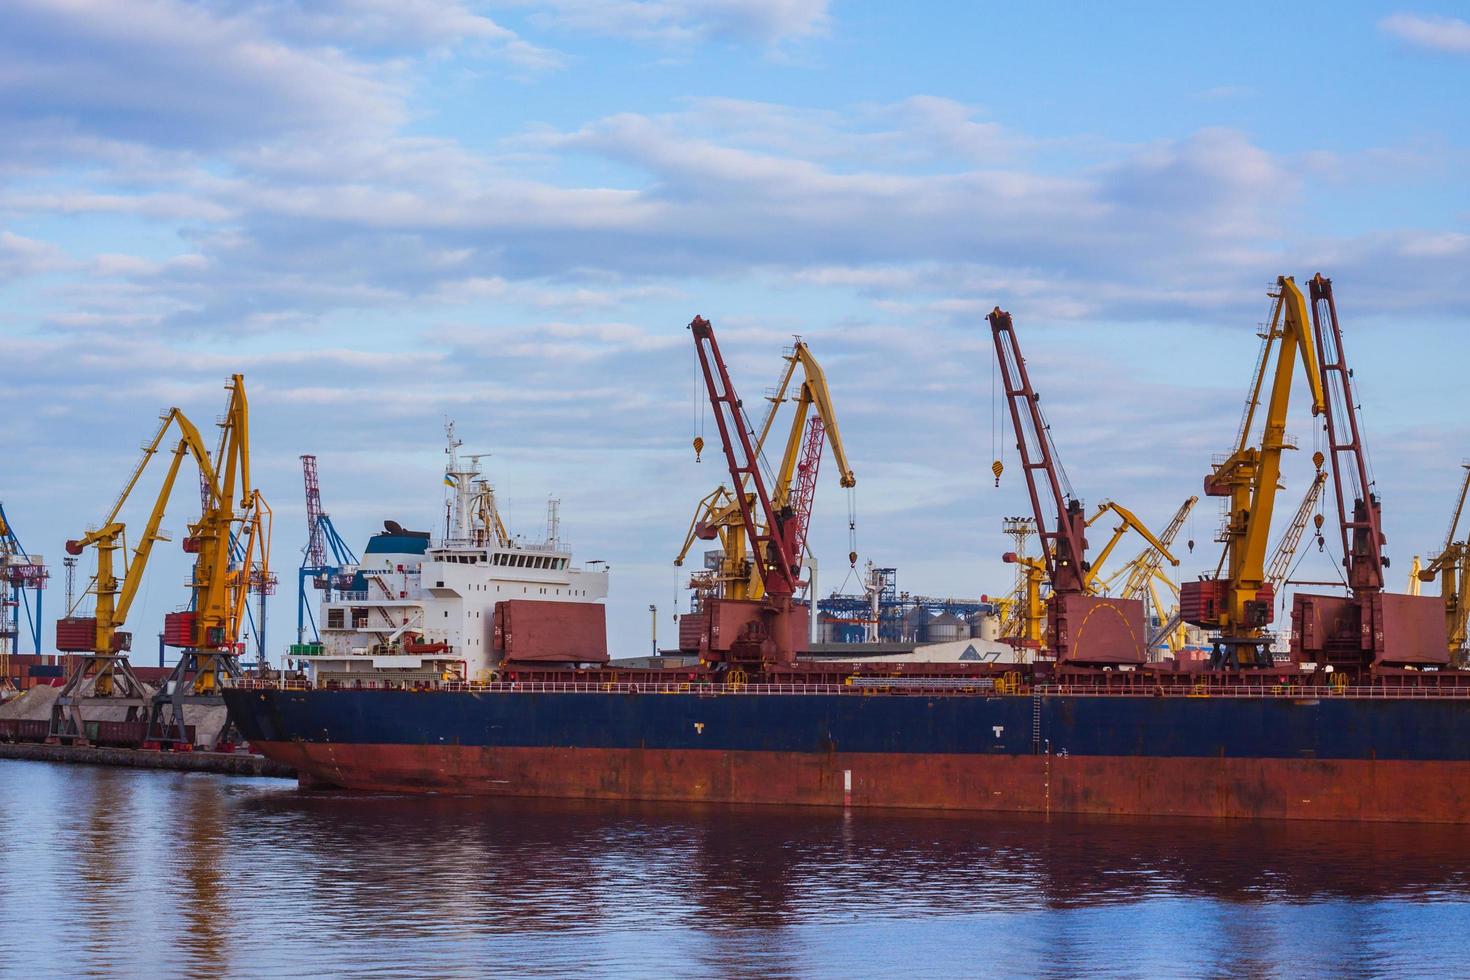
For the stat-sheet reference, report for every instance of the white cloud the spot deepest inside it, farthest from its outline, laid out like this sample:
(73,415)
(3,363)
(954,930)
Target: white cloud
(172,74)
(1449,35)
(21,256)
(682,21)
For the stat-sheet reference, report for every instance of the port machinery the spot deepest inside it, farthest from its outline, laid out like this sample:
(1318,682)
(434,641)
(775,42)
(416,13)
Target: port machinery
(22,578)
(325,573)
(230,542)
(1075,625)
(732,573)
(1452,567)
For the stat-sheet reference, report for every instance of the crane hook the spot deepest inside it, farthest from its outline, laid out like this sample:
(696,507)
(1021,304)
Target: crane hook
(698,447)
(997,468)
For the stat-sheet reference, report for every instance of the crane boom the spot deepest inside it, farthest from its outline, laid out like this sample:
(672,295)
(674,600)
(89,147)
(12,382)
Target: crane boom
(1362,534)
(1147,562)
(1130,521)
(1059,519)
(806,483)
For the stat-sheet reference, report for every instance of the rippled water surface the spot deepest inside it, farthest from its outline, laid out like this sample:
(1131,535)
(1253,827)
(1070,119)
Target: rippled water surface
(119,872)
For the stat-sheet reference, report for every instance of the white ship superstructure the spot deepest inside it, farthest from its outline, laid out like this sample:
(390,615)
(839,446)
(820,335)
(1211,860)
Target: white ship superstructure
(421,609)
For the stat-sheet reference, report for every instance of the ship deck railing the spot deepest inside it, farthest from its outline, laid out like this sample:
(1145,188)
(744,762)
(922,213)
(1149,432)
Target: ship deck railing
(869,685)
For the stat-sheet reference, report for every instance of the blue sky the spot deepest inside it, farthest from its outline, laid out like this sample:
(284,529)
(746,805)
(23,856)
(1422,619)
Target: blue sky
(384,212)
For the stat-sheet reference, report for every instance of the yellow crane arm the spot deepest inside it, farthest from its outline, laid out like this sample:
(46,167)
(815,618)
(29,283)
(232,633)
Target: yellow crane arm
(816,389)
(212,534)
(1090,578)
(134,575)
(707,514)
(1296,337)
(1147,561)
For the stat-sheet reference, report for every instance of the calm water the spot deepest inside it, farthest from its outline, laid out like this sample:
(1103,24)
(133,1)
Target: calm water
(115,872)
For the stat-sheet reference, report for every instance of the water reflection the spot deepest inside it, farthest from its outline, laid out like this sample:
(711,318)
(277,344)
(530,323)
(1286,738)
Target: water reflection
(238,877)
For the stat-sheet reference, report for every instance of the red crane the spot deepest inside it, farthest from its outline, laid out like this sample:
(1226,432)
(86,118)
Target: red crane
(806,483)
(1115,629)
(1370,627)
(1062,548)
(765,630)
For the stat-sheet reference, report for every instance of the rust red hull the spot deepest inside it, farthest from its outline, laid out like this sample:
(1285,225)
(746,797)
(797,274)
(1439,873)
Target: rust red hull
(1372,790)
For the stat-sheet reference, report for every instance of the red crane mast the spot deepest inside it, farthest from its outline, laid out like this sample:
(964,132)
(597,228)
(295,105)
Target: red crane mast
(1060,520)
(1370,628)
(1114,627)
(1362,534)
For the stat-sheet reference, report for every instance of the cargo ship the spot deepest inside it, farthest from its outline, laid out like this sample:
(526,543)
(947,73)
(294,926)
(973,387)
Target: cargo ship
(479,665)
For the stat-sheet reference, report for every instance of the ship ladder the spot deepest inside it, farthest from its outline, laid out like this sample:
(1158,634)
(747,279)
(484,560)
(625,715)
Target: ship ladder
(1035,723)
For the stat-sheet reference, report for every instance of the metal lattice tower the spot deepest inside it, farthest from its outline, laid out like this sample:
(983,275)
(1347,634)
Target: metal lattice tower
(1019,530)
(806,482)
(316,547)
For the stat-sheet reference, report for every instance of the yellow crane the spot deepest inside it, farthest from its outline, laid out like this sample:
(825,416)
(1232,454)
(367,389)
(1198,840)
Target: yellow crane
(1237,602)
(232,557)
(1452,567)
(231,540)
(99,638)
(718,514)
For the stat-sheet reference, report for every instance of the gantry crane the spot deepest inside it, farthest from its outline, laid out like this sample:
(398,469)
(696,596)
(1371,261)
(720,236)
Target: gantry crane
(1452,567)
(1115,633)
(1236,604)
(764,631)
(1369,628)
(321,538)
(22,578)
(718,515)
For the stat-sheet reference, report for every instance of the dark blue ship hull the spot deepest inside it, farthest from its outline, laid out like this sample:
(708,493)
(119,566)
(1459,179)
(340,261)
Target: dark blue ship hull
(1381,758)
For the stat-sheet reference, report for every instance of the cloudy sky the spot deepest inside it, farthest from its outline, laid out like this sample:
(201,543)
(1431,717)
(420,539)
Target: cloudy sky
(389,212)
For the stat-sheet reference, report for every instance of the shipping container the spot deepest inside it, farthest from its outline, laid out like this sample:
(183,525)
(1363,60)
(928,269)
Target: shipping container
(527,630)
(76,633)
(178,629)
